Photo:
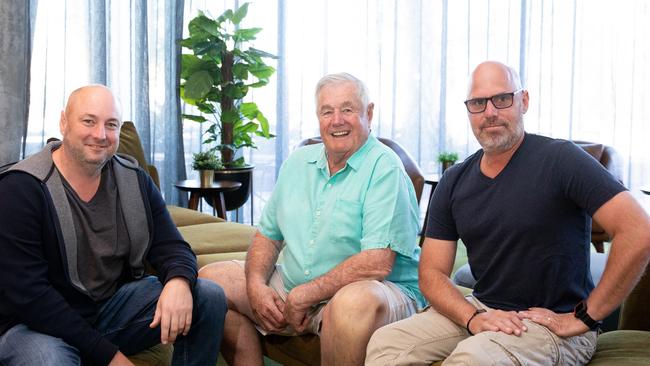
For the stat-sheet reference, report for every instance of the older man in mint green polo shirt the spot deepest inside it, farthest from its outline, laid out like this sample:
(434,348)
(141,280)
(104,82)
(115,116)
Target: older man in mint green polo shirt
(345,216)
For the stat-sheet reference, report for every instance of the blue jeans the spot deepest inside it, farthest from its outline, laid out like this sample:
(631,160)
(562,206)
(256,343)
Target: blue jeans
(124,320)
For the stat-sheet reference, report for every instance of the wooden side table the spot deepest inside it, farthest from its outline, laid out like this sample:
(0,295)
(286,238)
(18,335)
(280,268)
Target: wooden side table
(213,192)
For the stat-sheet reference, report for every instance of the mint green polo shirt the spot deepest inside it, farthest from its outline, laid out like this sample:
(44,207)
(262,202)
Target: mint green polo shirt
(323,220)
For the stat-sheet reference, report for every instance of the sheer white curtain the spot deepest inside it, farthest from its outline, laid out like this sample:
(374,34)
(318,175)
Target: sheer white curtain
(131,46)
(585,64)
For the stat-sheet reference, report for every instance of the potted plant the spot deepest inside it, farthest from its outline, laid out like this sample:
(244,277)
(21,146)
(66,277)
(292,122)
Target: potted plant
(206,162)
(215,78)
(447,159)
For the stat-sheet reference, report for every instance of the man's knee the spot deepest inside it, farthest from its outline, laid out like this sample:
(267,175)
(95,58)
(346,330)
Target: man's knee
(356,304)
(223,272)
(210,297)
(21,346)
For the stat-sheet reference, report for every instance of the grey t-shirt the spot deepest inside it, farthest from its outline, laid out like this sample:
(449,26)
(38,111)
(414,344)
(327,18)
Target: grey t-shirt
(102,240)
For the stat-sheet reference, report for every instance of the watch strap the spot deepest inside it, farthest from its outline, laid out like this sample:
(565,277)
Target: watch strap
(580,312)
(477,312)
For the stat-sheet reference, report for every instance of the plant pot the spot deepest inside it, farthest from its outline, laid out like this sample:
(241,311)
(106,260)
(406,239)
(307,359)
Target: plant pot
(206,177)
(236,199)
(446,165)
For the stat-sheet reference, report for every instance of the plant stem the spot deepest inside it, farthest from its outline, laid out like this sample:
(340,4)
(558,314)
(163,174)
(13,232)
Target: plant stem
(227,104)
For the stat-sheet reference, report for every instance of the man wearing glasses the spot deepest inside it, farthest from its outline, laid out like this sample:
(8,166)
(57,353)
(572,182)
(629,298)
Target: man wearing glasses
(522,206)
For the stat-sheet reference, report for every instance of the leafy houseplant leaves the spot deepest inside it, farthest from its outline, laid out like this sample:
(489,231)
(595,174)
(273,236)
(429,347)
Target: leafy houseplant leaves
(245,34)
(216,77)
(198,85)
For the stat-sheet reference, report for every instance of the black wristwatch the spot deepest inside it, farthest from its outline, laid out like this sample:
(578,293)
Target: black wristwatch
(580,312)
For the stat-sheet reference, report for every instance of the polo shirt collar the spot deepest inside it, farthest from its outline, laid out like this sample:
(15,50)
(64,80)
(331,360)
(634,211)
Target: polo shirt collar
(354,161)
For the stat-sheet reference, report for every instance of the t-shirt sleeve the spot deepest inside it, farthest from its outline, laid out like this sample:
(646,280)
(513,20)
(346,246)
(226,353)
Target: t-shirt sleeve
(586,180)
(390,210)
(440,222)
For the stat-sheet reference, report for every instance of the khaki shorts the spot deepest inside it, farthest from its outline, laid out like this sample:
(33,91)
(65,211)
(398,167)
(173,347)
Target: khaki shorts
(401,306)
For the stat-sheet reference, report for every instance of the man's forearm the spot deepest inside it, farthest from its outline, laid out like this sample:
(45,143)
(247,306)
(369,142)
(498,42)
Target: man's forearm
(261,258)
(373,264)
(625,265)
(629,225)
(445,297)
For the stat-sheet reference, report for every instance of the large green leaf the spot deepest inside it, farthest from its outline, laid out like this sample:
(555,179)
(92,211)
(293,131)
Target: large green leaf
(227,15)
(261,53)
(239,14)
(235,91)
(245,34)
(194,118)
(189,65)
(208,46)
(205,107)
(264,124)
(265,135)
(259,83)
(261,71)
(249,110)
(240,71)
(198,85)
(201,26)
(230,116)
(249,127)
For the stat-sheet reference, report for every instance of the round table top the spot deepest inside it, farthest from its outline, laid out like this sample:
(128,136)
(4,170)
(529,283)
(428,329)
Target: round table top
(217,185)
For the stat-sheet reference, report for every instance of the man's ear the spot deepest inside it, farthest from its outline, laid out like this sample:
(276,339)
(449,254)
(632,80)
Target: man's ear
(369,112)
(524,102)
(63,123)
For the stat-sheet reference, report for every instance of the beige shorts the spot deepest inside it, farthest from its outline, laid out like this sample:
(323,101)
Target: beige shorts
(401,306)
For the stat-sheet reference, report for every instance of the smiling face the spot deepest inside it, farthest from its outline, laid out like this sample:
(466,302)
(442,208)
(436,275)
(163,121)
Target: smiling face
(344,120)
(497,130)
(90,126)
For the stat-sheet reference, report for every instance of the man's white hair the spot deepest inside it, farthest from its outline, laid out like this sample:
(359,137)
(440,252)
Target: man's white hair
(343,77)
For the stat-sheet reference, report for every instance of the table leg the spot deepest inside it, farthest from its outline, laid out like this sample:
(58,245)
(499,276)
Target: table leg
(194,201)
(219,202)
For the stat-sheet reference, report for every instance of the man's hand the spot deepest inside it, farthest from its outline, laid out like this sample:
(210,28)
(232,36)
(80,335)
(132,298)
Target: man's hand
(174,310)
(120,360)
(267,307)
(563,325)
(296,309)
(498,321)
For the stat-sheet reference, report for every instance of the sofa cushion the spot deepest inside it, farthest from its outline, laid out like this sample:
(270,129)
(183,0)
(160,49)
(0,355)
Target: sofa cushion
(159,355)
(219,237)
(622,347)
(184,216)
(130,143)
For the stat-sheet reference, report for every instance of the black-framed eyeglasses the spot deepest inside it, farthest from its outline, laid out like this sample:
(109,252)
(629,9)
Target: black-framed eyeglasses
(499,101)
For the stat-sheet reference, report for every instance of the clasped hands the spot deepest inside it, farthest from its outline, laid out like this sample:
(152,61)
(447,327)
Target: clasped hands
(511,322)
(273,314)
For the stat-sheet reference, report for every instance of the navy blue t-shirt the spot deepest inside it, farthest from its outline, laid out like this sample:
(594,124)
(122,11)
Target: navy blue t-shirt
(528,230)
